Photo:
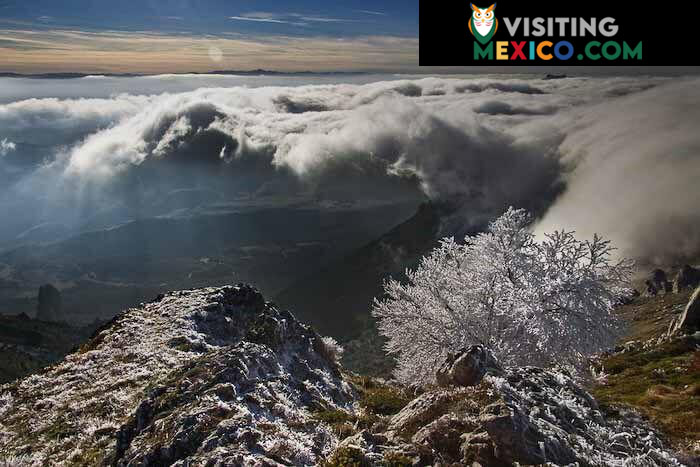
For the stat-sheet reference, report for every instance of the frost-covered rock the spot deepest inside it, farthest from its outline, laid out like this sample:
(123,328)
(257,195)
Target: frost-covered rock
(215,376)
(420,411)
(546,417)
(526,416)
(369,444)
(467,367)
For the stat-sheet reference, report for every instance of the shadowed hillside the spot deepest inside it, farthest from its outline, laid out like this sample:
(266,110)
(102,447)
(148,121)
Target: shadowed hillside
(337,300)
(26,344)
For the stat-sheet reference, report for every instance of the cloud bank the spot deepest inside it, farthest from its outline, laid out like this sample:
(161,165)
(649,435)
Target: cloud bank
(617,156)
(633,170)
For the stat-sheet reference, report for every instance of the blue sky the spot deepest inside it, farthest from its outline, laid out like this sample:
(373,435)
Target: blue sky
(361,30)
(303,17)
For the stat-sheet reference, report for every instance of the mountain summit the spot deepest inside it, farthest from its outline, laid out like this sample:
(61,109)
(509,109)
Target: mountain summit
(210,375)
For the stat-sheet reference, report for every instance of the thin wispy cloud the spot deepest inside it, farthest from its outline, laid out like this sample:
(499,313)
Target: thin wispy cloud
(323,19)
(262,15)
(294,19)
(371,12)
(257,19)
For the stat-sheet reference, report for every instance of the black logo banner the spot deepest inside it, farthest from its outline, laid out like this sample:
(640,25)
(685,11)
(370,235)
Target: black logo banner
(516,33)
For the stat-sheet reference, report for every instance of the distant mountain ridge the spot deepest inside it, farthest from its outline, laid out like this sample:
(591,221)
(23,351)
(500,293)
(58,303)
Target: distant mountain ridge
(257,72)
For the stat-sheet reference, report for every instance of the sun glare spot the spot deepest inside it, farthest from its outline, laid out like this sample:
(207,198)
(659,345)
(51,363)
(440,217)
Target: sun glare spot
(215,54)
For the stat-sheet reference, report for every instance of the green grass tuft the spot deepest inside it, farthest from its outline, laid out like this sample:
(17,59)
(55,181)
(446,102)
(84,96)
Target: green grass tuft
(347,457)
(384,400)
(663,384)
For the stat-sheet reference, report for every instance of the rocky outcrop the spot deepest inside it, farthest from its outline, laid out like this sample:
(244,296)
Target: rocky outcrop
(49,306)
(687,278)
(526,416)
(421,411)
(546,417)
(212,376)
(467,367)
(689,320)
(657,283)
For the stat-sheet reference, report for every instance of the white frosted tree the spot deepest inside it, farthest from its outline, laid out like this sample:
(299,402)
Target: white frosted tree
(530,302)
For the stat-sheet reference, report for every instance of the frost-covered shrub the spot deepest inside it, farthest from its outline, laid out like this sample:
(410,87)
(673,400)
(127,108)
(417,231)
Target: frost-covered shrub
(531,302)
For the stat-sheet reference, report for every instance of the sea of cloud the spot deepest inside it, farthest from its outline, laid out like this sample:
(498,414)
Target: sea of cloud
(617,156)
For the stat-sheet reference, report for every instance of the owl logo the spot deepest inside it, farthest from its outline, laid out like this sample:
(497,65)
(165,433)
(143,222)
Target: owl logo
(483,23)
